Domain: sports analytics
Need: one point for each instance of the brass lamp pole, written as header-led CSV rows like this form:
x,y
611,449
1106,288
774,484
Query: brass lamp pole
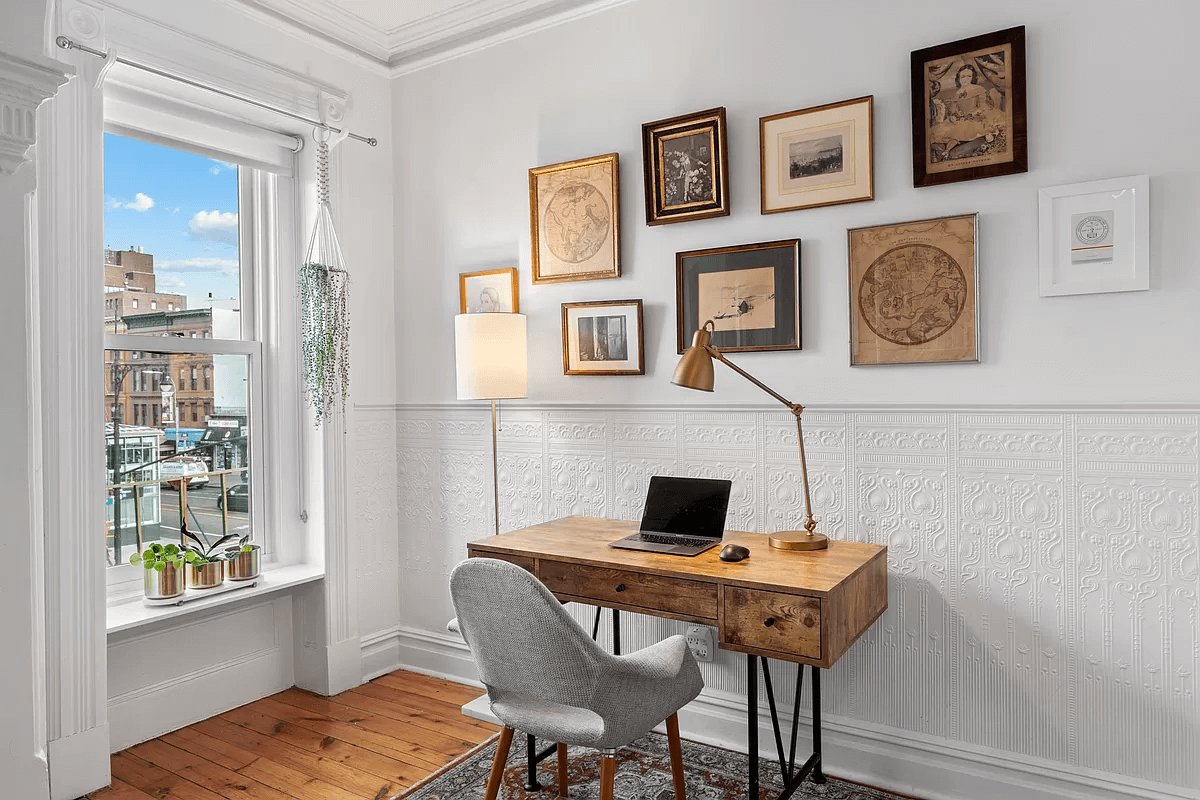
x,y
695,371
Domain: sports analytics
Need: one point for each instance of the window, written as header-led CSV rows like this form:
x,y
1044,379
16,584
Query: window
x,y
142,505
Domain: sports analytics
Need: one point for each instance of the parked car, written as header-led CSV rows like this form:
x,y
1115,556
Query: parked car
x,y
172,472
238,497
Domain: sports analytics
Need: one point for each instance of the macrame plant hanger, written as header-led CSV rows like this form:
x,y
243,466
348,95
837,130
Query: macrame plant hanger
x,y
324,284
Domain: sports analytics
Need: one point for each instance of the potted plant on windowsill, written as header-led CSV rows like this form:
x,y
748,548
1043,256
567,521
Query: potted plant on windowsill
x,y
164,570
206,562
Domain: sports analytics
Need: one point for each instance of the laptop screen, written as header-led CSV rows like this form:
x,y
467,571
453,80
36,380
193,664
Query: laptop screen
x,y
686,506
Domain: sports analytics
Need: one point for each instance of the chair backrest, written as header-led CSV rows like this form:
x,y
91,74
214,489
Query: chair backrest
x,y
523,640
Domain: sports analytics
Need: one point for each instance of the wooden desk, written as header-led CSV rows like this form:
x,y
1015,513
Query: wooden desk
x,y
807,607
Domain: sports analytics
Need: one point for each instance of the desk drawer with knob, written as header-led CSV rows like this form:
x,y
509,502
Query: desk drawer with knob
x,y
660,595
787,624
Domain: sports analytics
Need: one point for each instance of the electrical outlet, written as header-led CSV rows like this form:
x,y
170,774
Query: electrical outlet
x,y
701,642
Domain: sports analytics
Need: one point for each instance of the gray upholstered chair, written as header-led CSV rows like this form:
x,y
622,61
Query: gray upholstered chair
x,y
545,676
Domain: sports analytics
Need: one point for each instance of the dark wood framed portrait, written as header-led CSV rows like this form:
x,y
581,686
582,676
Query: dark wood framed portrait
x,y
575,220
914,292
751,292
968,109
603,338
686,164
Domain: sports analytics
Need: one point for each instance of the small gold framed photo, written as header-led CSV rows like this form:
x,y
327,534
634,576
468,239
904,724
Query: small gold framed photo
x,y
488,291
686,164
603,338
914,293
819,156
575,220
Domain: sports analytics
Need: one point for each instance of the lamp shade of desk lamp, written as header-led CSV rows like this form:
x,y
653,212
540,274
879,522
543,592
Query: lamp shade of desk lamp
x,y
695,371
492,363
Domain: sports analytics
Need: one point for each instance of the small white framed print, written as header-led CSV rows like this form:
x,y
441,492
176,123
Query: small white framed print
x,y
1095,237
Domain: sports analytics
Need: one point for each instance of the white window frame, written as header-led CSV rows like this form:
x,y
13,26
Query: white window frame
x,y
266,204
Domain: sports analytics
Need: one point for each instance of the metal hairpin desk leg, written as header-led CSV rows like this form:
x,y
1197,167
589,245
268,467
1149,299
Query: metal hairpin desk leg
x,y
792,778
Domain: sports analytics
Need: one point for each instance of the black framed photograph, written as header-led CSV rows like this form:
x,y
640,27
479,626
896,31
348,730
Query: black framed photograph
x,y
603,338
968,109
751,292
686,164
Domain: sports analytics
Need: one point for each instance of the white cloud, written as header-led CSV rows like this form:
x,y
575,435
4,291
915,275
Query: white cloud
x,y
169,281
140,202
215,226
220,166
225,266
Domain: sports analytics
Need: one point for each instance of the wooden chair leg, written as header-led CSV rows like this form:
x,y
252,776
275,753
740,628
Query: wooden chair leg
x,y
502,746
676,756
563,785
608,772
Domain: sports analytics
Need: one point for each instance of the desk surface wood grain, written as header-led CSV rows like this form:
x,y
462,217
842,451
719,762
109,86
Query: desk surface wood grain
x,y
584,540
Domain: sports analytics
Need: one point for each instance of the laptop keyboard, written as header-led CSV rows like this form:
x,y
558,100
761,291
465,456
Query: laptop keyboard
x,y
679,540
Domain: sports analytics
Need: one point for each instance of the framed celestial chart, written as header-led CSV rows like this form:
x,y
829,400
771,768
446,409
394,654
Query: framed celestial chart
x,y
575,220
914,293
968,109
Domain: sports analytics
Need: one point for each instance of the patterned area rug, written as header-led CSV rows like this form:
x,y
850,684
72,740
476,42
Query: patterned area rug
x,y
643,773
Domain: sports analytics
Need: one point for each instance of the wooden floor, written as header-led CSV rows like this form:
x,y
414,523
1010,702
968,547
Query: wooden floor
x,y
370,742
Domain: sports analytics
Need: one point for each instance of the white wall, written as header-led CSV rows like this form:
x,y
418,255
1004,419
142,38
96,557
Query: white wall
x,y
982,573
1100,105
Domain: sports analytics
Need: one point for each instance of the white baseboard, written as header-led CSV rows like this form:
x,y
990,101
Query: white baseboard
x,y
921,766
79,763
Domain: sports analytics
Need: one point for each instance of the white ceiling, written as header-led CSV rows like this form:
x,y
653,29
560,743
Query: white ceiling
x,y
408,34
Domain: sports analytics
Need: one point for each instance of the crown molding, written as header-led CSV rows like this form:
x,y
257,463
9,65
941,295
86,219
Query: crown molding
x,y
24,84
458,30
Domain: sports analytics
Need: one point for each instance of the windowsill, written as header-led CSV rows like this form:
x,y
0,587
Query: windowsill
x,y
133,613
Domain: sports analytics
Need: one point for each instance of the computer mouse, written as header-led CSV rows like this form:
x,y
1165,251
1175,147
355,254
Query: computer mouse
x,y
734,552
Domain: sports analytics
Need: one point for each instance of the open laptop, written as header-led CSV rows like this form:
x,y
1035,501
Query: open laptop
x,y
683,516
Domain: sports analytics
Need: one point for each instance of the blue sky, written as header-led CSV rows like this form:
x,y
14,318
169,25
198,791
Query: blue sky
x,y
178,206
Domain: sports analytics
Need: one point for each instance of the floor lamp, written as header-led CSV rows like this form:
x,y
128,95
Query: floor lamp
x,y
695,371
492,362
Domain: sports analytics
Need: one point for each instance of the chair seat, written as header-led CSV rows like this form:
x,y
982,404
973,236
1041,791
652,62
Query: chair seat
x,y
552,721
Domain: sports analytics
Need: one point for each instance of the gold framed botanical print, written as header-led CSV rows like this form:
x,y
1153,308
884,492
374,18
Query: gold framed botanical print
x,y
914,293
575,220
819,156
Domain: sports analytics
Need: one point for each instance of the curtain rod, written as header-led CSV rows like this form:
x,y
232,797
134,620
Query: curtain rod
x,y
68,44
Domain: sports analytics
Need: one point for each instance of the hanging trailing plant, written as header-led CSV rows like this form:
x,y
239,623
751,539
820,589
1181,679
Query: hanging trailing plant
x,y
324,284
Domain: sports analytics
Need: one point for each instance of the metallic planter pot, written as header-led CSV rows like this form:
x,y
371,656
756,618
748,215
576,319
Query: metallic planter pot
x,y
206,576
166,584
246,565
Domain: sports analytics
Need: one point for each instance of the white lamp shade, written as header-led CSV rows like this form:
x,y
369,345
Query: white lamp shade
x,y
491,356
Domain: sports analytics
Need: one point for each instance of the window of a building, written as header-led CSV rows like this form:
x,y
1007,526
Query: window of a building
x,y
142,464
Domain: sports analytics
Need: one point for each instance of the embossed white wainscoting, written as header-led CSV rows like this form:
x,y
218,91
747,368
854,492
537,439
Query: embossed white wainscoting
x,y
1043,631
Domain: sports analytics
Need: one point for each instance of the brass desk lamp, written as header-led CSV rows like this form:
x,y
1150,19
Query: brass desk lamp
x,y
695,371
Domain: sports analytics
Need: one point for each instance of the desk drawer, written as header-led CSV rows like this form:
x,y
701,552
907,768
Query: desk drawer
x,y
783,623
657,594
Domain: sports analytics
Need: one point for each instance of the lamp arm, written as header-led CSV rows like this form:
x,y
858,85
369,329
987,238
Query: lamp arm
x,y
811,524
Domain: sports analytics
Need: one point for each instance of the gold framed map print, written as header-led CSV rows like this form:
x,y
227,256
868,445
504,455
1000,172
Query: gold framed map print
x,y
913,292
575,220
820,156
968,109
